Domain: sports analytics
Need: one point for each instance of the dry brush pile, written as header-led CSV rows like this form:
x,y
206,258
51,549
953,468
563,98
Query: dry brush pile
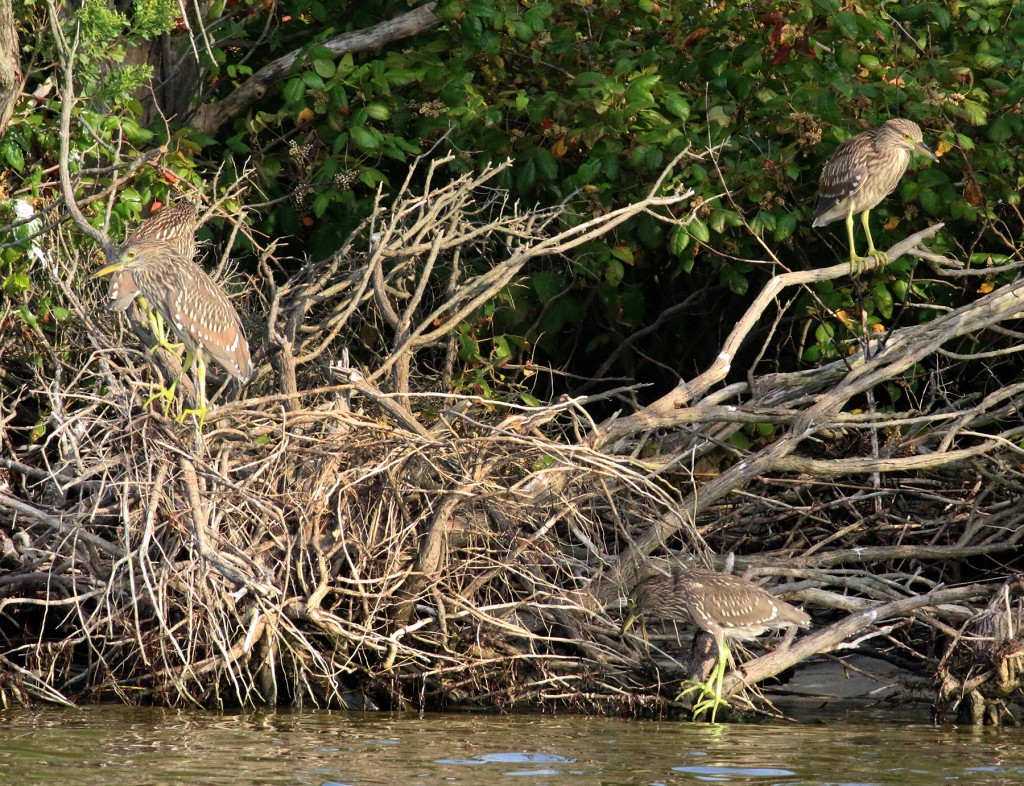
x,y
350,534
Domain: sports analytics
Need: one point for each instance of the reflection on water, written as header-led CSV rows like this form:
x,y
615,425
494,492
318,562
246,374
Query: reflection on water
x,y
101,746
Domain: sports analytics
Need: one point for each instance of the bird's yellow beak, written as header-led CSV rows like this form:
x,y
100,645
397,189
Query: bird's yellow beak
x,y
924,150
631,615
111,268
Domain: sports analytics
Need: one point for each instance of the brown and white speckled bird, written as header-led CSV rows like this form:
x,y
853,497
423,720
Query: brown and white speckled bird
x,y
198,311
728,607
862,172
175,226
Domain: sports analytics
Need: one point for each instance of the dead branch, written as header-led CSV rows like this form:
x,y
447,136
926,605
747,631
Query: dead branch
x,y
208,118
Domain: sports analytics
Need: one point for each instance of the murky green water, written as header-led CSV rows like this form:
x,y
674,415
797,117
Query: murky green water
x,y
116,745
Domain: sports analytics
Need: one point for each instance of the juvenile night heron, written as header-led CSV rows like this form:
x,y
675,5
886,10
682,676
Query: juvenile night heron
x,y
862,172
174,226
198,311
728,607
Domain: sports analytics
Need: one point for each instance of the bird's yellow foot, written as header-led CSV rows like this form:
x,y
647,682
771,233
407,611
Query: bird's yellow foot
x,y
198,412
167,394
709,698
880,257
709,701
163,343
874,260
156,327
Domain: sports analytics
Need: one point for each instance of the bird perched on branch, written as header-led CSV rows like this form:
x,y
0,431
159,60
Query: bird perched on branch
x,y
728,607
862,172
198,311
174,226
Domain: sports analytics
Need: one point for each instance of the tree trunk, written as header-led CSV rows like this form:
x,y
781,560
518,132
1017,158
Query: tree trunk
x,y
10,64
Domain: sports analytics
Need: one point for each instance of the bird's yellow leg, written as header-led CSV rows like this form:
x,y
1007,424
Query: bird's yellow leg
x,y
711,691
880,257
167,394
155,322
856,262
200,411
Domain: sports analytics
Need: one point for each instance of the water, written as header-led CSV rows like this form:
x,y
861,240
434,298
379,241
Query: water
x,y
101,746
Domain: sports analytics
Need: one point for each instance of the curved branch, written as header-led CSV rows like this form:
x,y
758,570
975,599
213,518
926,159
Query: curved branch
x,y
688,391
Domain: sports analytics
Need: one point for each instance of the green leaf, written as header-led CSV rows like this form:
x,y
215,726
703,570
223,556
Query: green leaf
x,y
846,21
740,440
613,272
321,203
313,81
883,300
973,112
717,114
378,111
547,284
522,31
930,201
785,225
735,280
699,230
716,221
130,195
623,253
27,314
13,156
1000,129
371,177
678,240
17,283
638,94
502,351
547,164
987,61
294,90
324,67
526,175
677,105
366,138
633,306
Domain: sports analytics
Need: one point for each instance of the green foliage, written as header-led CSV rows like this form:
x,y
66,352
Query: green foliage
x,y
104,35
154,17
99,24
590,100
